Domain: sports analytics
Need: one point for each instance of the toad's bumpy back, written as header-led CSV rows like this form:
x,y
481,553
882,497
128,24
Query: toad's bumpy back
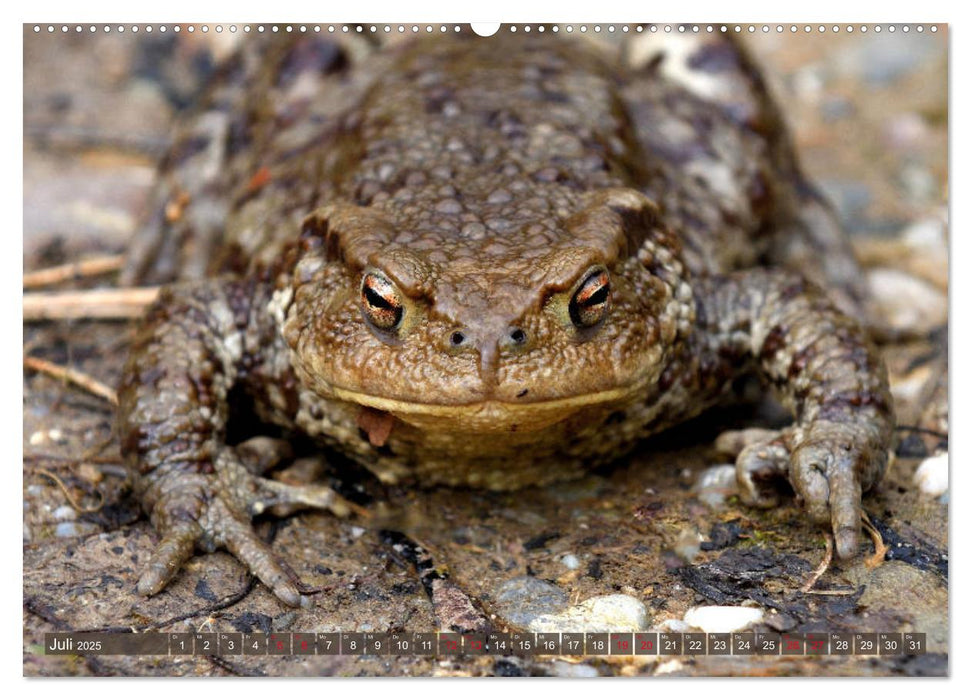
x,y
705,141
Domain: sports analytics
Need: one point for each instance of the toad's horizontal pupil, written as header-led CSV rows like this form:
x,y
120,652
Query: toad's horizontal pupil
x,y
598,297
589,303
375,299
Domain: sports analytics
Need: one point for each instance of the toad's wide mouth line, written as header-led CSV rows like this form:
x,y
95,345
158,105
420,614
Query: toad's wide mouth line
x,y
488,407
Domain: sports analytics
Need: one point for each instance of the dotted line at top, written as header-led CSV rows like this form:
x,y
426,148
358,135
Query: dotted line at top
x,y
512,28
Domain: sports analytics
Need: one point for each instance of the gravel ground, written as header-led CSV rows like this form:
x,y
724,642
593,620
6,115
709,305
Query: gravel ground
x,y
869,116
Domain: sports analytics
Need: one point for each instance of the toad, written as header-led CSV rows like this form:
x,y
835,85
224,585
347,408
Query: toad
x,y
486,262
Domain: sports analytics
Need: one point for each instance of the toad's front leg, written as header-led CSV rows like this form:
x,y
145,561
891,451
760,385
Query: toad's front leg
x,y
197,342
825,371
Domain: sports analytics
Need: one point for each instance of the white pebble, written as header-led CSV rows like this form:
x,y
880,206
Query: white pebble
x,y
723,618
571,562
674,625
606,613
906,301
562,669
66,529
38,438
930,234
688,544
672,666
715,484
357,531
932,475
65,513
908,388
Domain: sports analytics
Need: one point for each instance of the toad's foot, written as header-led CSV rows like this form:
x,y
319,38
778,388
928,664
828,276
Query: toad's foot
x,y
761,460
213,511
828,464
759,463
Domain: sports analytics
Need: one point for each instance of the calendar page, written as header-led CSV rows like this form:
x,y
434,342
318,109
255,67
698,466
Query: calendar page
x,y
524,349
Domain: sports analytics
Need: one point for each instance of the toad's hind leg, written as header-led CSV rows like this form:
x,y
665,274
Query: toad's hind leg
x,y
787,221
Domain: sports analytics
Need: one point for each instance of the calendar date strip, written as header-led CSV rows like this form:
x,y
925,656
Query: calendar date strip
x,y
494,643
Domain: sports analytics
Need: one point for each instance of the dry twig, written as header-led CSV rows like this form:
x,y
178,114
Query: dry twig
x,y
85,268
89,384
880,548
70,498
128,302
823,565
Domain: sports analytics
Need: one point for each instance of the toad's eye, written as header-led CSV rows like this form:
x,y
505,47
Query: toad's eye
x,y
589,303
381,301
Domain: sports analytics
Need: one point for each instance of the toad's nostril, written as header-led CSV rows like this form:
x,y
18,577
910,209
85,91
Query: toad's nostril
x,y
517,336
457,338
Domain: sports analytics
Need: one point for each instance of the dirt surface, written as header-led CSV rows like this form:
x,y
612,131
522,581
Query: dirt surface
x,y
869,115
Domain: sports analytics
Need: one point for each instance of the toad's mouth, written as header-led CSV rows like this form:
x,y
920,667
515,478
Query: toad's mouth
x,y
488,415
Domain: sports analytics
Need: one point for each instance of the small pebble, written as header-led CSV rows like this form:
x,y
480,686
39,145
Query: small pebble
x,y
723,618
688,545
357,531
674,625
835,108
808,83
65,513
608,613
715,484
672,666
523,599
909,387
850,197
90,473
571,562
906,301
919,183
562,669
932,475
906,130
69,529
929,234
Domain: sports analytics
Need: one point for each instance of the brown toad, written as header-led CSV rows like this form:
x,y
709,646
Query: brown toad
x,y
486,262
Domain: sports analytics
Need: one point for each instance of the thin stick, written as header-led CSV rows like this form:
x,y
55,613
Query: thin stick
x,y
92,386
45,457
70,499
129,302
823,565
880,548
85,268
